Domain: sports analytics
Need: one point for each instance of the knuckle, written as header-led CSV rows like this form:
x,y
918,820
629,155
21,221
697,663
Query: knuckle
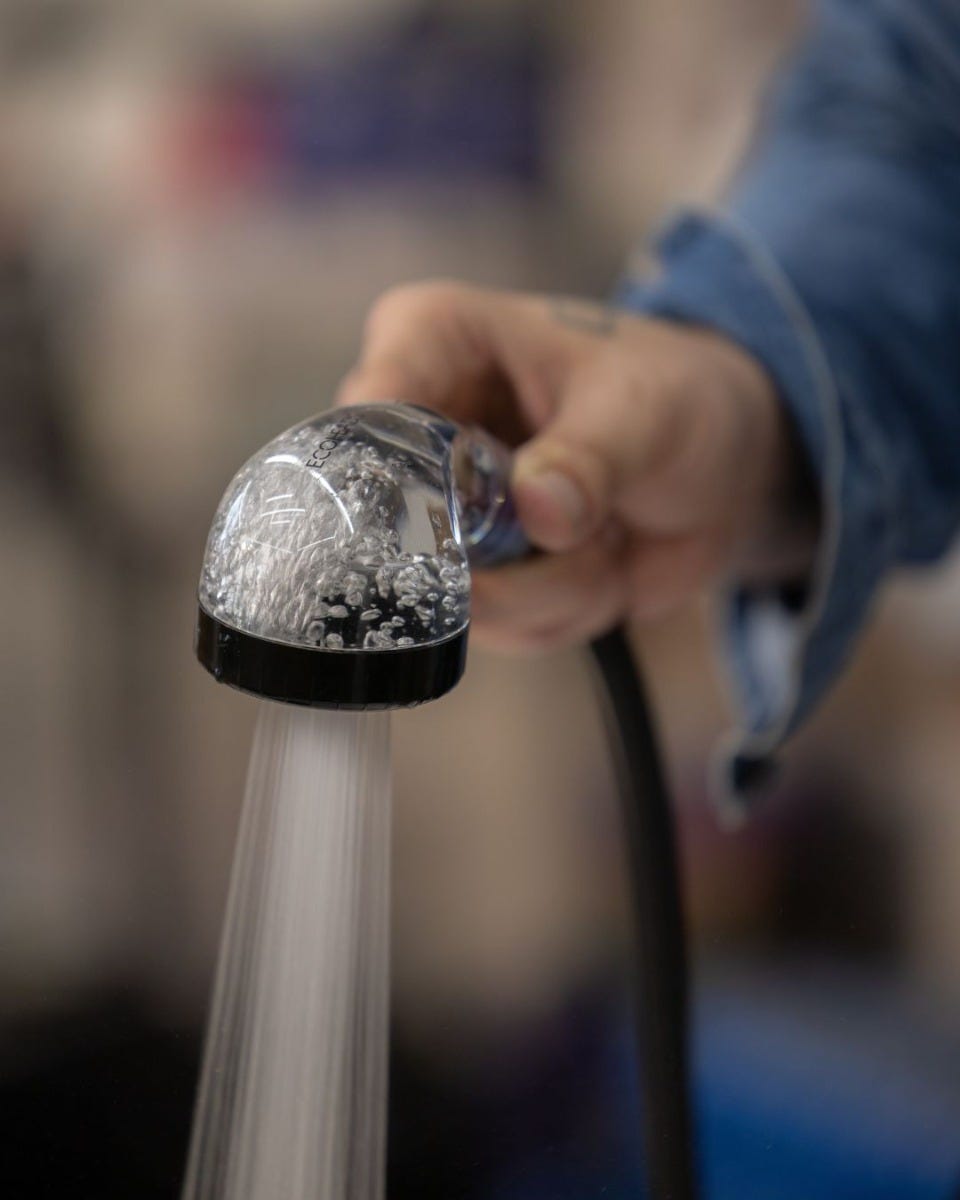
x,y
413,304
547,640
388,307
504,637
379,384
352,386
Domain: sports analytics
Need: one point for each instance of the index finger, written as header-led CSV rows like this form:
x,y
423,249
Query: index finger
x,y
445,346
416,347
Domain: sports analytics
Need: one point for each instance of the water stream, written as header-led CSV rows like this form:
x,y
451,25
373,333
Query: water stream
x,y
292,1098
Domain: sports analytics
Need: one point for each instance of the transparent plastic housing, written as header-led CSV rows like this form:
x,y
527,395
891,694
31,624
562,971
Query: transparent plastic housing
x,y
343,534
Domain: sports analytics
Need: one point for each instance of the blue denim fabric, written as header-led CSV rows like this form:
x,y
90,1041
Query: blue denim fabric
x,y
836,262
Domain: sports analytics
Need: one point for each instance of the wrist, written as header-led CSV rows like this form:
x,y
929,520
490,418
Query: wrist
x,y
776,500
782,531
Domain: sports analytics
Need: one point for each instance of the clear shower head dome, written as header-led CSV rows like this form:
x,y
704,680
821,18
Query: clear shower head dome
x,y
343,534
336,571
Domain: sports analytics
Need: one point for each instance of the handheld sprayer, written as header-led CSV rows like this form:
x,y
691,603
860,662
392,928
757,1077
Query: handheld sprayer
x,y
337,575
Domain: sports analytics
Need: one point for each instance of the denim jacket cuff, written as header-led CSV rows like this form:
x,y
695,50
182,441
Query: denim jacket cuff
x,y
782,656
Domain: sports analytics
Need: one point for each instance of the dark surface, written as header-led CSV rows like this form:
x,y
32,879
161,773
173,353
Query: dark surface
x,y
811,1083
95,1104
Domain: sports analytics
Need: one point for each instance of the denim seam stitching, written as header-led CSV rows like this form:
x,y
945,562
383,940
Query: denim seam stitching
x,y
771,273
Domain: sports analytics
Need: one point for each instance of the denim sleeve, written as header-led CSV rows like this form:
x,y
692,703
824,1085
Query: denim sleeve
x,y
836,263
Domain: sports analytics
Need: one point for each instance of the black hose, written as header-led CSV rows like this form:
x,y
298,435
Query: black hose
x,y
662,1015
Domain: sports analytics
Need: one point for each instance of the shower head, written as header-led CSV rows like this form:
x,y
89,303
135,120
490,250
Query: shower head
x,y
336,573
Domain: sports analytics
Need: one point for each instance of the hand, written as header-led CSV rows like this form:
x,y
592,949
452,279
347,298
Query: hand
x,y
654,457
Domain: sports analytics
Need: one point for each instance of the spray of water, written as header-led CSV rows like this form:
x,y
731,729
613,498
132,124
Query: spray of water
x,y
292,1099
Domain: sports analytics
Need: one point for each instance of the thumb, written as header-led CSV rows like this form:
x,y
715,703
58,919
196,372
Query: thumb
x,y
568,479
561,496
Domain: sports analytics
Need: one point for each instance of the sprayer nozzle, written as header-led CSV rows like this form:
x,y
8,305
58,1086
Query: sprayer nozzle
x,y
336,570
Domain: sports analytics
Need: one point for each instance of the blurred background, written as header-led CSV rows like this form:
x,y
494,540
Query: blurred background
x,y
198,202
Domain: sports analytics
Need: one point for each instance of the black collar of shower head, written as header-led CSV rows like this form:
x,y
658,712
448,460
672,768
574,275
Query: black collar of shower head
x,y
321,678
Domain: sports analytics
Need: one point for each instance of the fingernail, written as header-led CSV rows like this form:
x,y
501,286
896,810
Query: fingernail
x,y
561,493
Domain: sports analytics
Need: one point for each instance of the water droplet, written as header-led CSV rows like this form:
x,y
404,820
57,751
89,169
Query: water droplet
x,y
370,614
333,641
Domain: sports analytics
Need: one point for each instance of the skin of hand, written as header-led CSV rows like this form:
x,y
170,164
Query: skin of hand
x,y
653,458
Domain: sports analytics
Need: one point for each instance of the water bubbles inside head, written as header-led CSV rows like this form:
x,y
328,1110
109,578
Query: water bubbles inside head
x,y
342,534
